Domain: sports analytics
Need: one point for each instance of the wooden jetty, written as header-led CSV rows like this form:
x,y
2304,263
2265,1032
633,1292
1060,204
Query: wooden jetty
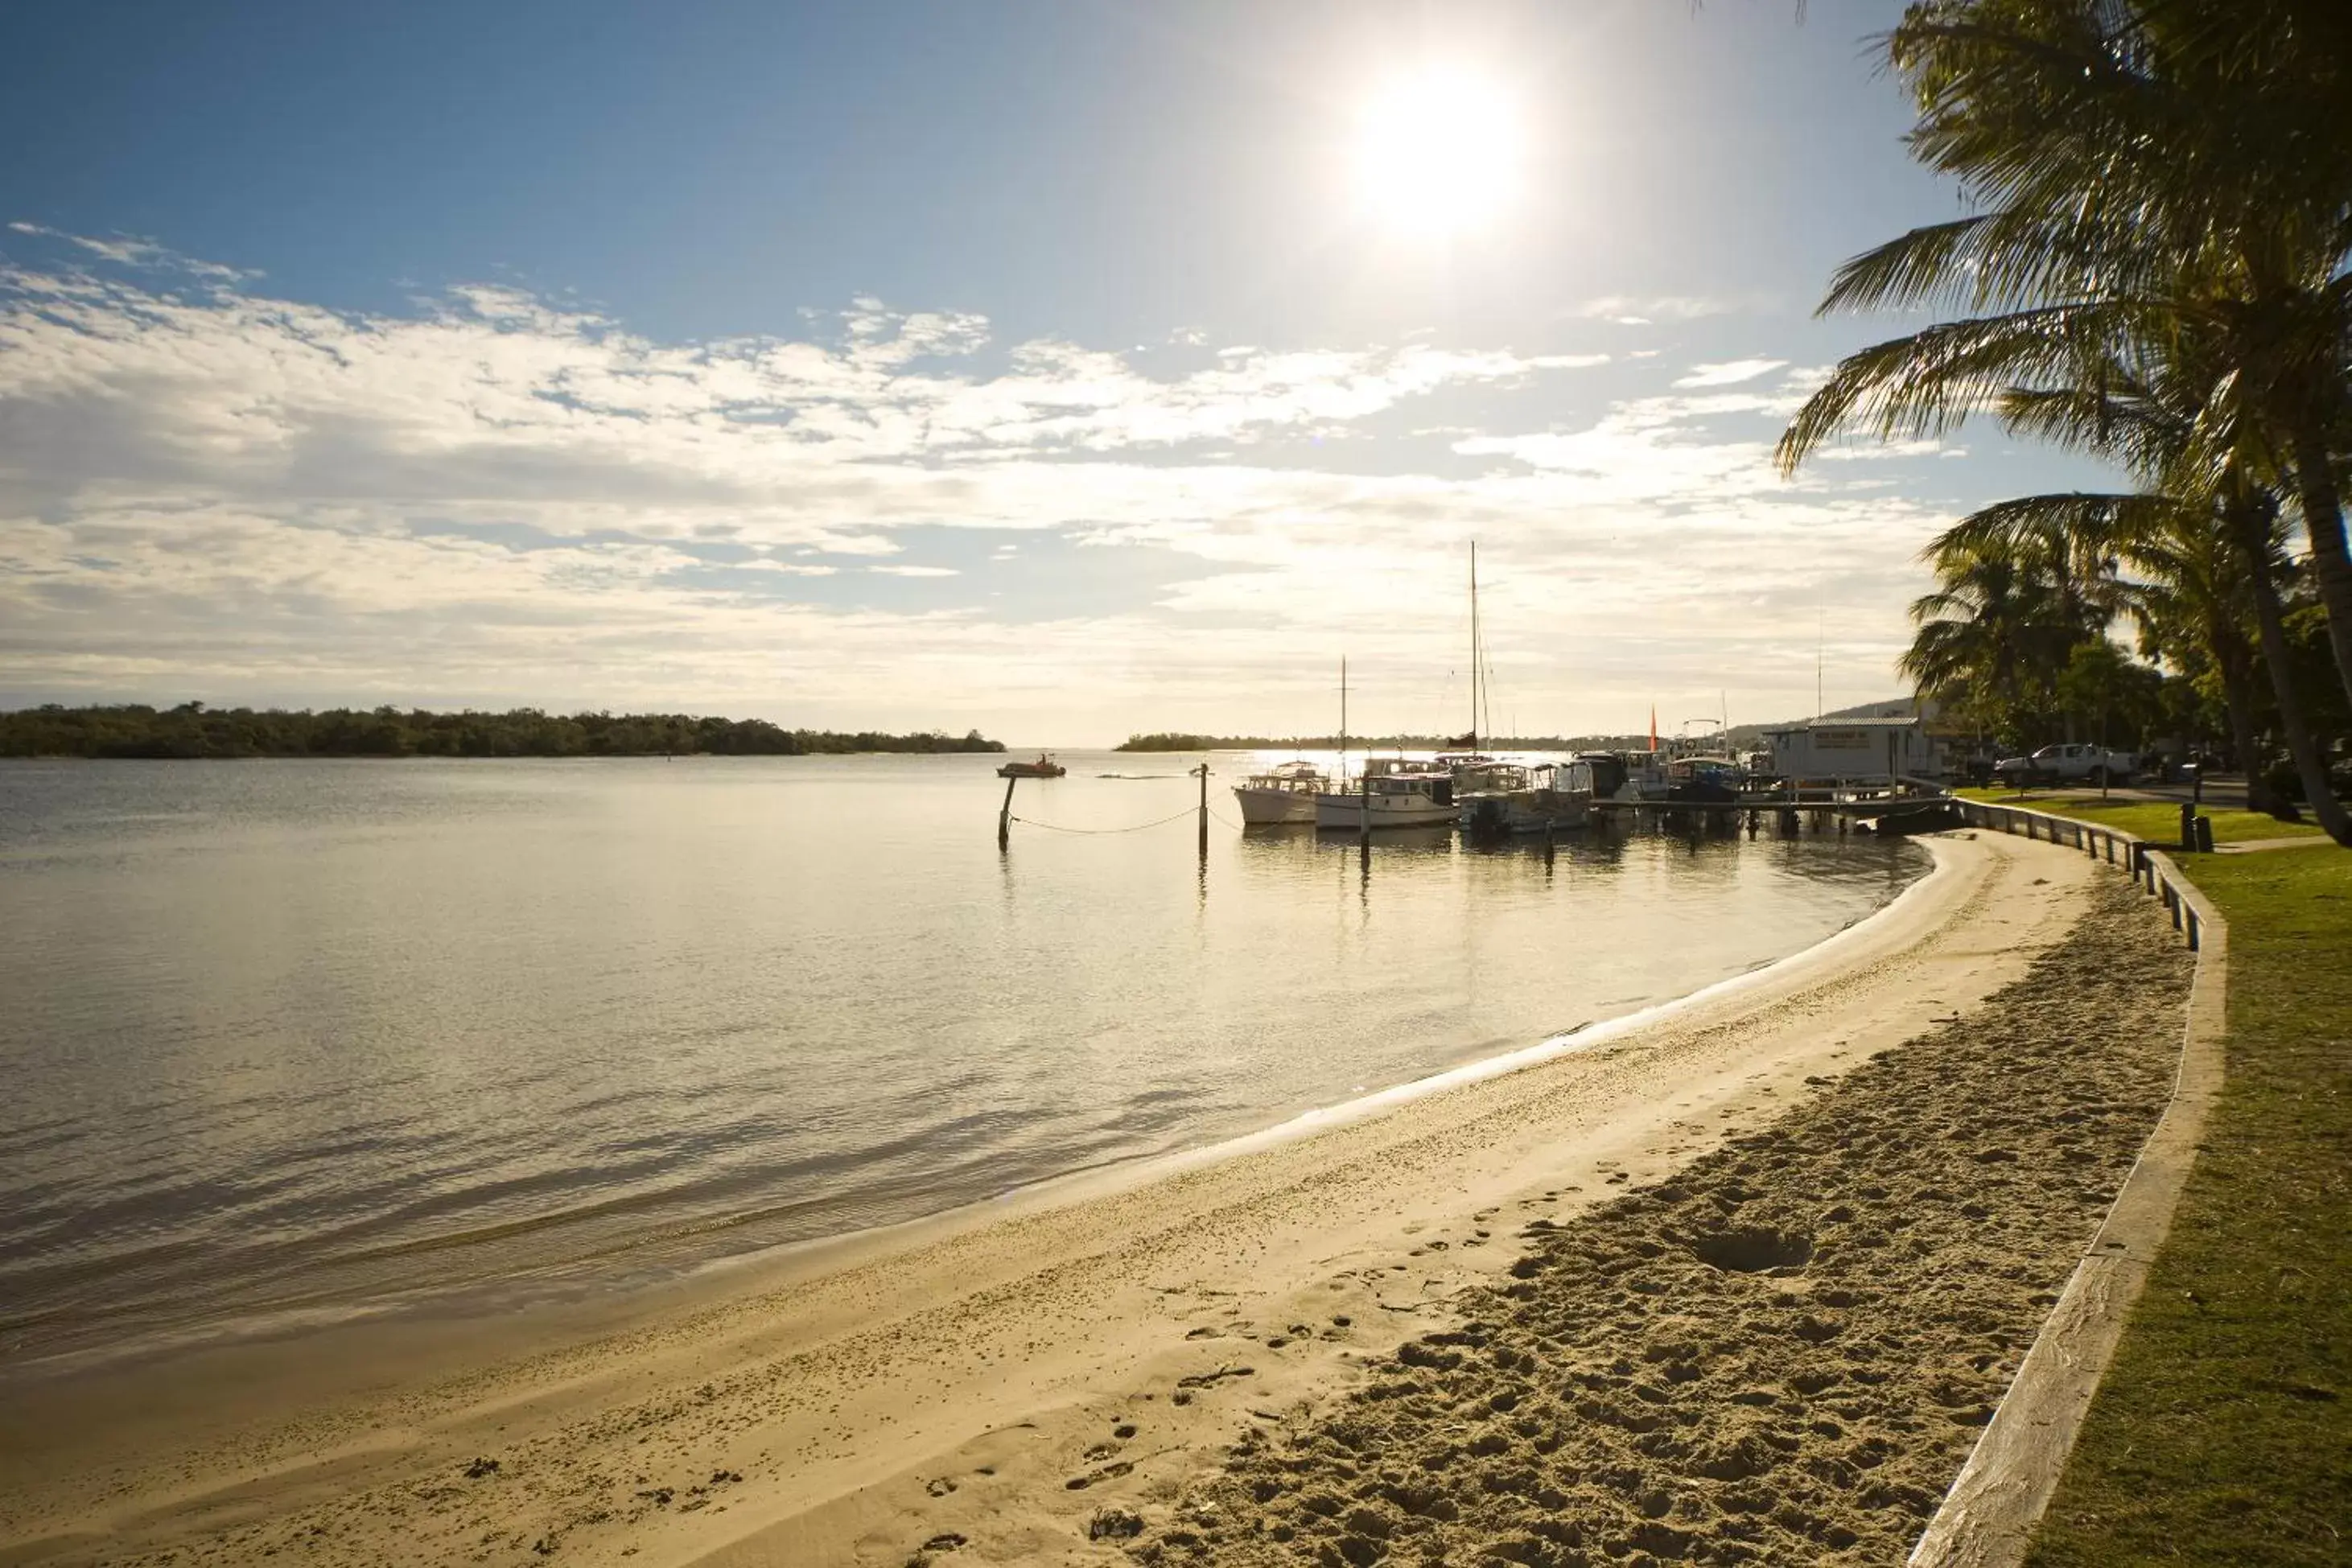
x,y
1823,808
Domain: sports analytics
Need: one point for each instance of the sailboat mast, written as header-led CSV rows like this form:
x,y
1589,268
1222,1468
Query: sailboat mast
x,y
1343,718
1474,655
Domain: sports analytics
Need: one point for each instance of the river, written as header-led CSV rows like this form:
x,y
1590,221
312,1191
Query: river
x,y
288,1040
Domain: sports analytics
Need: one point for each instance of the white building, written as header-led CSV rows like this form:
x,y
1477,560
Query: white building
x,y
1856,750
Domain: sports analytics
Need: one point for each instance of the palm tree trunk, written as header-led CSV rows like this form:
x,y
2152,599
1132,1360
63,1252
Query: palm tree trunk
x,y
2253,539
2322,521
2234,660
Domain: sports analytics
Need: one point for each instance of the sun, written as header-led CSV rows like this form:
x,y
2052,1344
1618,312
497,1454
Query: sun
x,y
1437,153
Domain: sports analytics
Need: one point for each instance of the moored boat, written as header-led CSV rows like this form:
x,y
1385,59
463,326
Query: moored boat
x,y
1284,793
1550,796
1713,781
1044,768
1415,795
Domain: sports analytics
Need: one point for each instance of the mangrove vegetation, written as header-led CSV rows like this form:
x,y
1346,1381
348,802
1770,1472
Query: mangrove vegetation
x,y
194,730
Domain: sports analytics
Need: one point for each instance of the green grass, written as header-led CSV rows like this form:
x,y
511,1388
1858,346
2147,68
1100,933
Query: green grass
x,y
2156,820
2222,1432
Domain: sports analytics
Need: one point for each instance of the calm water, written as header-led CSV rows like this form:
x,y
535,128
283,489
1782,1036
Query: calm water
x,y
290,1038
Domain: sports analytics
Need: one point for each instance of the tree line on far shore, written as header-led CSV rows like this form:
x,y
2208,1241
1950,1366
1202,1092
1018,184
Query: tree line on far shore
x,y
1171,740
2153,268
193,730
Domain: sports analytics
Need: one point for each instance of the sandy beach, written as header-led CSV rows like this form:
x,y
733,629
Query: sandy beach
x,y
1735,1281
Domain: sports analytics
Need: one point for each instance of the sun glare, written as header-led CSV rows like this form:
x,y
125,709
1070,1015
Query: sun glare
x,y
1437,153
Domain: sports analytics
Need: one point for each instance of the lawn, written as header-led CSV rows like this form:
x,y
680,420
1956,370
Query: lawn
x,y
2222,1432
2156,820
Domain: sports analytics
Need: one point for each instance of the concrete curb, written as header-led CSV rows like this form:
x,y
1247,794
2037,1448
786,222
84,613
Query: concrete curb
x,y
1988,1517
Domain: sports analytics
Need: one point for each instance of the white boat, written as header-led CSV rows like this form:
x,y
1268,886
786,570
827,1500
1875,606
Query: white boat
x,y
1284,793
1547,795
1477,774
1287,792
1643,776
1415,795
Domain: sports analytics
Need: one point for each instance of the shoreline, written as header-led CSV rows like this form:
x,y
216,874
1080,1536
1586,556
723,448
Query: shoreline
x,y
611,1290
905,1348
1780,1354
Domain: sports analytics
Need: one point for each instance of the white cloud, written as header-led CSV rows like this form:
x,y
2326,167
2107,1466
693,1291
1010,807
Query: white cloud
x,y
1730,373
126,251
786,567
501,498
1641,311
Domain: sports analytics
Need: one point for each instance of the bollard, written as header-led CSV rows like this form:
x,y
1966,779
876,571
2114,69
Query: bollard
x,y
2188,826
2204,835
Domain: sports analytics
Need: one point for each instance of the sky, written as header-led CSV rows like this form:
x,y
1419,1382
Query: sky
x,y
1063,370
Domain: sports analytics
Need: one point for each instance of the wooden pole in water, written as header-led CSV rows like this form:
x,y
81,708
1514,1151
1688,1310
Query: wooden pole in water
x,y
1004,815
1364,811
1205,809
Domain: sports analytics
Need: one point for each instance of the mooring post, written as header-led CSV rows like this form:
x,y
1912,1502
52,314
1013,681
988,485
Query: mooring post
x,y
1204,809
1364,813
1004,815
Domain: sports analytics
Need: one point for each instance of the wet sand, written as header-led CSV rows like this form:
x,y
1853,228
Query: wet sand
x,y
1064,1377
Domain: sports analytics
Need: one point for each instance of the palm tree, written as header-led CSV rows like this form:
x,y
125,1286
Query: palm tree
x,y
2159,274
2149,168
1988,634
2189,591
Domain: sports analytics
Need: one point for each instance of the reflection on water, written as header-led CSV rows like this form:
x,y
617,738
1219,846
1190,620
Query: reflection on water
x,y
285,1033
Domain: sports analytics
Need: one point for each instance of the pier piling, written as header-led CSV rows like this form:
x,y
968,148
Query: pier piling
x,y
1203,771
1004,816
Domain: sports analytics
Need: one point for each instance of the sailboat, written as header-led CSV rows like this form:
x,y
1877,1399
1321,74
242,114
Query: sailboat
x,y
1493,797
1472,769
1402,794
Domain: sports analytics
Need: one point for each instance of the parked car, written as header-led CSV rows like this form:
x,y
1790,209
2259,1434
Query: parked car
x,y
2073,763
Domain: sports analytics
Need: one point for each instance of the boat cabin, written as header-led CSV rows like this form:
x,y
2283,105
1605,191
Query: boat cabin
x,y
1299,777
